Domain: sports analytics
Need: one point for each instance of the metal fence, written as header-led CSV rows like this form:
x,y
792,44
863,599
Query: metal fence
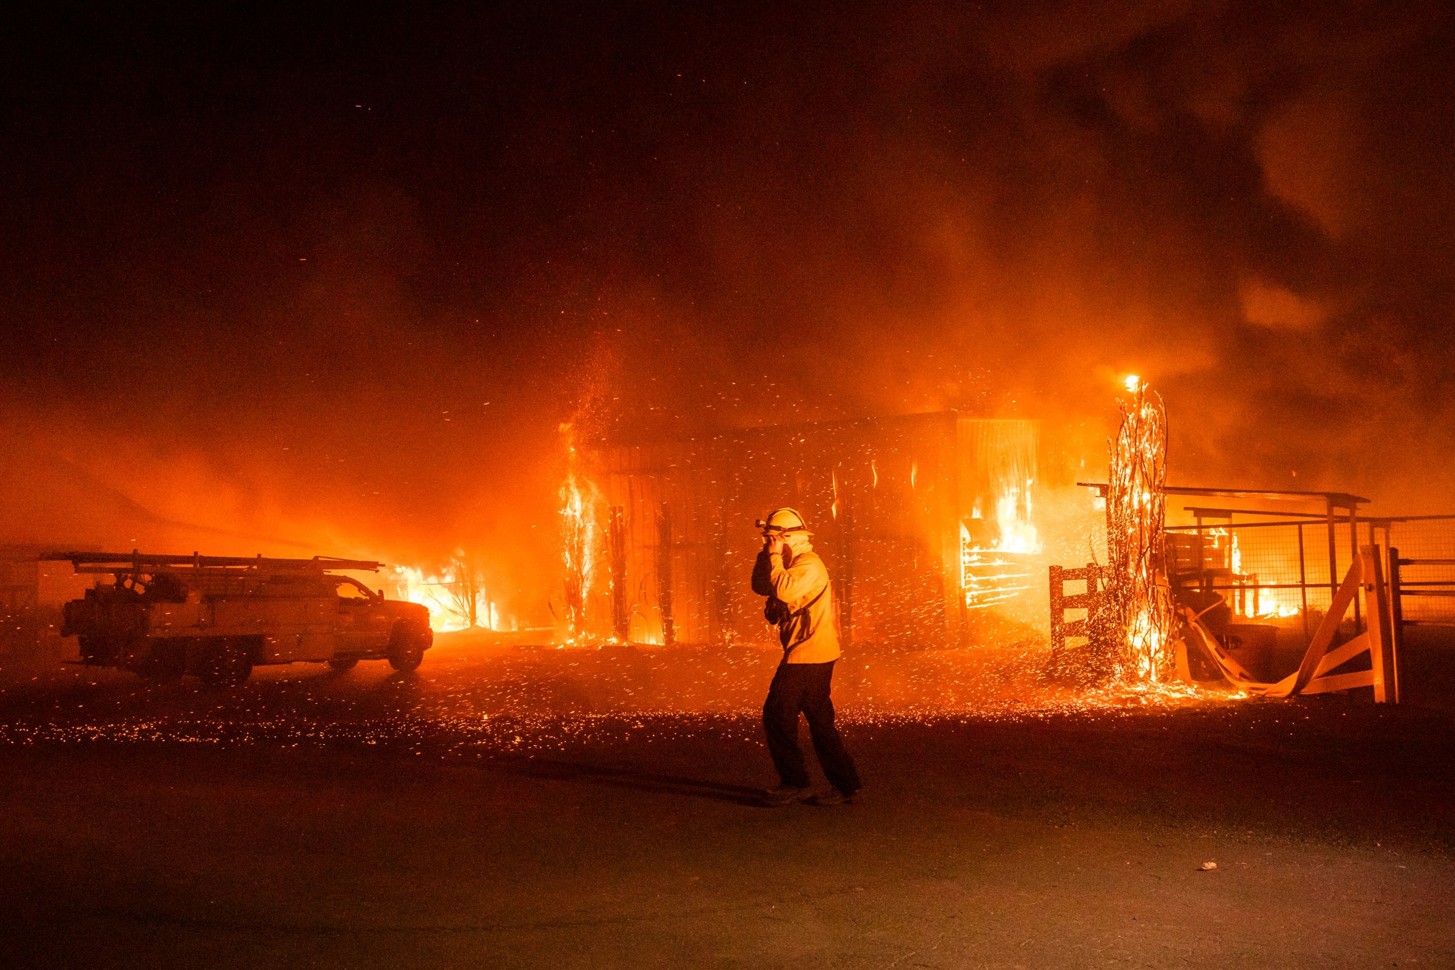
x,y
1269,571
1283,570
1424,568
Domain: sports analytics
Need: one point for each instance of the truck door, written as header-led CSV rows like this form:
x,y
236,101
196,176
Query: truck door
x,y
363,622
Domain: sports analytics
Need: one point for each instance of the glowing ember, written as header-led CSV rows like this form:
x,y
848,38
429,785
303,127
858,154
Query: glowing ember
x,y
1267,604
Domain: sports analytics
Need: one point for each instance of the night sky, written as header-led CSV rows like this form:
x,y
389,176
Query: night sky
x,y
335,274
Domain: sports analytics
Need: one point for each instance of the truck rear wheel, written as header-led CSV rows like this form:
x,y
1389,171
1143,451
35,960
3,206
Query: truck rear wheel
x,y
407,646
224,663
165,663
100,651
344,663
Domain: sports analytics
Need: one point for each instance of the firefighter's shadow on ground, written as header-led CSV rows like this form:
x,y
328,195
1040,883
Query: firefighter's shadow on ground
x,y
634,778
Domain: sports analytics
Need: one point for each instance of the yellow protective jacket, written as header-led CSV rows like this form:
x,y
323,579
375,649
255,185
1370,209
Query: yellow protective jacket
x,y
807,621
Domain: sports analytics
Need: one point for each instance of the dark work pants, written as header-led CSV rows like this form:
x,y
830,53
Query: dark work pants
x,y
805,688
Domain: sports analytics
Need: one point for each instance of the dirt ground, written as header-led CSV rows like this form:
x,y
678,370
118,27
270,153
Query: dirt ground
x,y
518,806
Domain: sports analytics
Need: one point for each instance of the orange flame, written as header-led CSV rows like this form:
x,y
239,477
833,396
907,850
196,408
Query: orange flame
x,y
995,572
1249,600
579,534
453,601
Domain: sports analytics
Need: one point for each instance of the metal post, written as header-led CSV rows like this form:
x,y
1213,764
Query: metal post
x,y
664,573
1354,550
1396,618
620,617
848,552
1303,581
1058,611
1202,583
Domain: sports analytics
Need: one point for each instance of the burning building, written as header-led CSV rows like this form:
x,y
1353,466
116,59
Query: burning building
x,y
929,523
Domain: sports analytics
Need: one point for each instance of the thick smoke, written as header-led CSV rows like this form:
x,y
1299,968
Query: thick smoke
x,y
337,280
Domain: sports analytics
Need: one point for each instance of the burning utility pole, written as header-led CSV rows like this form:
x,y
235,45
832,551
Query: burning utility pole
x,y
1140,600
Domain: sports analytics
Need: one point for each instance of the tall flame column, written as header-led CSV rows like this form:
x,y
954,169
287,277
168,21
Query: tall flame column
x,y
579,501
1136,504
578,540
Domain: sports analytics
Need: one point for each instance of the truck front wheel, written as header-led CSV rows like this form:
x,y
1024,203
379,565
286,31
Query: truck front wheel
x,y
224,663
407,646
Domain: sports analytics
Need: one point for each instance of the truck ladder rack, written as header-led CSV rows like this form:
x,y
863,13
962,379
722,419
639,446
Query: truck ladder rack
x,y
139,561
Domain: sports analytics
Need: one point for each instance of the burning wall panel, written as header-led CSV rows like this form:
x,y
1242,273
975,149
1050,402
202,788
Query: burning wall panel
x,y
671,553
1001,561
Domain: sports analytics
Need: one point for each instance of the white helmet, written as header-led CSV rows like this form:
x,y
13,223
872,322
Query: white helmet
x,y
783,520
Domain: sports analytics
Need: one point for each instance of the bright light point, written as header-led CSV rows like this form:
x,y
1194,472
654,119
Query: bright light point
x,y
1132,382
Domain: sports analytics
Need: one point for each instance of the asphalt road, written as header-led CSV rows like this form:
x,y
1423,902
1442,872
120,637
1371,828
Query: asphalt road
x,y
516,806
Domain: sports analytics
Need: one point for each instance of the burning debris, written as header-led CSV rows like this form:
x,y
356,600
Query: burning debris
x,y
1148,628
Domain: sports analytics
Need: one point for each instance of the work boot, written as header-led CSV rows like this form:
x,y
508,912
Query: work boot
x,y
831,797
785,795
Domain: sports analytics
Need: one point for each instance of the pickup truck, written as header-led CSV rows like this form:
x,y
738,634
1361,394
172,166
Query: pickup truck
x,y
218,617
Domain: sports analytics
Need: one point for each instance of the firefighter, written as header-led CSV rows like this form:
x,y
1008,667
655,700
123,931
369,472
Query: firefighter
x,y
801,604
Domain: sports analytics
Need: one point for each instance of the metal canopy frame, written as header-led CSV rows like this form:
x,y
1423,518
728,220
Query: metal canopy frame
x,y
1339,507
